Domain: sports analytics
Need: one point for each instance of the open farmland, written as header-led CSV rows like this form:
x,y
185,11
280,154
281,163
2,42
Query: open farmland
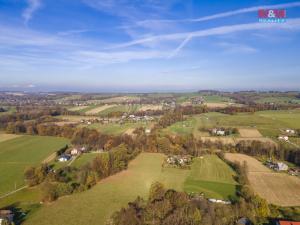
x,y
212,176
19,153
76,119
150,107
249,133
128,108
98,109
78,108
277,188
110,194
121,99
6,137
224,140
117,128
268,123
279,100
86,158
216,104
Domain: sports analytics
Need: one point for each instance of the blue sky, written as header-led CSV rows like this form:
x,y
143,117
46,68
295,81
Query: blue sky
x,y
147,45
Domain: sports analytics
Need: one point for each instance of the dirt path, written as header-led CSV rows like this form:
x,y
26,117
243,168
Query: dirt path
x,y
50,158
12,192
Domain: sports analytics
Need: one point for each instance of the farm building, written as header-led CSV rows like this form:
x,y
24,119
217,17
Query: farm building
x,y
6,216
278,166
281,166
147,131
284,138
243,221
285,222
77,151
290,131
218,132
64,158
179,160
219,201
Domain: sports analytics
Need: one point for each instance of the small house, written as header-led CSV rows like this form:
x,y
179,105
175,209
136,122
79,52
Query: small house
x,y
284,138
64,158
290,131
218,132
75,151
147,131
6,216
280,166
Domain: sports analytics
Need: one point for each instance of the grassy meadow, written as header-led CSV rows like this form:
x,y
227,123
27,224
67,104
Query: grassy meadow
x,y
269,123
116,128
116,191
19,153
211,176
85,158
6,137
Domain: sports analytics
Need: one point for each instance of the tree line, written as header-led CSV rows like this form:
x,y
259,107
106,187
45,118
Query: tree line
x,y
68,180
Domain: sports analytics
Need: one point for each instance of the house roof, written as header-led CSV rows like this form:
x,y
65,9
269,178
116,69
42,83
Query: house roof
x,y
284,222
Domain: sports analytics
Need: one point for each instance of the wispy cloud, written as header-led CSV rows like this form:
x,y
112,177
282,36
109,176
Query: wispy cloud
x,y
98,57
182,44
33,5
220,15
72,32
237,48
291,24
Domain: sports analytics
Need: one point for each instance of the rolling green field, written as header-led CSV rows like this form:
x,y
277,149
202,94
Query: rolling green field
x,y
279,100
269,123
120,108
116,128
116,191
211,176
216,98
6,137
207,98
18,153
85,158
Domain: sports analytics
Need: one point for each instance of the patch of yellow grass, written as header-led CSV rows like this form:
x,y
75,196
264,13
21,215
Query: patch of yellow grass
x,y
5,137
150,107
277,188
249,133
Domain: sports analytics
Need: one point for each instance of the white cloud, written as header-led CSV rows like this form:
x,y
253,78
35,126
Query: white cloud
x,y
237,48
33,5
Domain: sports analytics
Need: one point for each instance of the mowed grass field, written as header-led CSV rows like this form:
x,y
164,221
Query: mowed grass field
x,y
213,177
19,153
120,108
116,128
85,158
277,188
96,205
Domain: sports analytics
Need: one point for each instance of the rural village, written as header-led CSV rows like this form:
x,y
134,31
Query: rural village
x,y
211,139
